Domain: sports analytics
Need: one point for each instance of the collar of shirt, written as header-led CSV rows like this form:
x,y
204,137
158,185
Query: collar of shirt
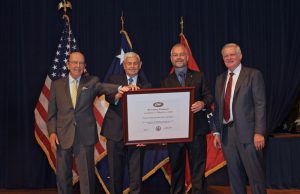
x,y
71,80
134,79
236,71
179,70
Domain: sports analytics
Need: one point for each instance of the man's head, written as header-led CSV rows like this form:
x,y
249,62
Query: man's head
x,y
179,56
76,64
132,64
232,55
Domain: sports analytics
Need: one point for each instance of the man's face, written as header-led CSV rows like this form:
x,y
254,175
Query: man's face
x,y
76,64
132,66
179,57
231,57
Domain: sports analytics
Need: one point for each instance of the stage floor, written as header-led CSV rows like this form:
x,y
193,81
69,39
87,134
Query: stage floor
x,y
211,190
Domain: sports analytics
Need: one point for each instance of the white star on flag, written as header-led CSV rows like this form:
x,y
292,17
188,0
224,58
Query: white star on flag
x,y
121,56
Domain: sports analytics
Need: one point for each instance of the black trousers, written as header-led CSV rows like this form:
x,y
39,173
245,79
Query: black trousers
x,y
197,157
118,153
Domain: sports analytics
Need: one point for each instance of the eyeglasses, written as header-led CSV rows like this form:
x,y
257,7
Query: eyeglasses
x,y
178,54
77,63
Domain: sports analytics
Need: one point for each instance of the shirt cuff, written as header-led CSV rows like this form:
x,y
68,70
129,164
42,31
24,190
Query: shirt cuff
x,y
119,88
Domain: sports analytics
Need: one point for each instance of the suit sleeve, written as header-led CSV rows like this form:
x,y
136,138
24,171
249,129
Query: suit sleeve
x,y
206,93
106,88
110,97
52,110
259,98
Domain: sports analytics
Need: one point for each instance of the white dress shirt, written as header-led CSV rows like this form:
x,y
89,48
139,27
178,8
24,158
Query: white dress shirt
x,y
235,77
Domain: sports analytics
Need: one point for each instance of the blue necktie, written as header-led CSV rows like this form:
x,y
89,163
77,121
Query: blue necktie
x,y
181,77
130,80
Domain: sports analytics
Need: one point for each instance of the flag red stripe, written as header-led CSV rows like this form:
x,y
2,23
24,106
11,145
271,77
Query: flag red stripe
x,y
42,111
46,91
98,116
99,147
46,143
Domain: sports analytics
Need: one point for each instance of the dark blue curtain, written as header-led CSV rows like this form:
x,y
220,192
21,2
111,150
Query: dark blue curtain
x,y
267,31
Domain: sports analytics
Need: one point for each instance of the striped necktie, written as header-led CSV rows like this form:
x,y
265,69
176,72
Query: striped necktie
x,y
130,81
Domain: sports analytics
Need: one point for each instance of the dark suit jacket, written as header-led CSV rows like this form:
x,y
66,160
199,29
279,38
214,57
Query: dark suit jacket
x,y
112,125
248,106
64,120
202,92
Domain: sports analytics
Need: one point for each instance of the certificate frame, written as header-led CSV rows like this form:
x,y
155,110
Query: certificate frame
x,y
158,115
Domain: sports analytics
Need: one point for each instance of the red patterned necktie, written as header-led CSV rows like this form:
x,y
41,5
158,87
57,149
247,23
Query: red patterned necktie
x,y
227,98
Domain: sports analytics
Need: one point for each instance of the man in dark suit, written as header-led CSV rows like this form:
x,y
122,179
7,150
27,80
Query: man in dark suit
x,y
72,126
240,112
112,129
197,148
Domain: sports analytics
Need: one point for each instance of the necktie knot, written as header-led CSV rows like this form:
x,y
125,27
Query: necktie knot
x,y
130,81
231,74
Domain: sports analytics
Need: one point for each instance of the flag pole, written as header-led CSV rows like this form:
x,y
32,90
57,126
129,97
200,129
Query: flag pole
x,y
65,5
181,24
123,30
122,22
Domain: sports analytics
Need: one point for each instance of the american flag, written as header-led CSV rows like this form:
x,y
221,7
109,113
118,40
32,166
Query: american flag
x,y
58,69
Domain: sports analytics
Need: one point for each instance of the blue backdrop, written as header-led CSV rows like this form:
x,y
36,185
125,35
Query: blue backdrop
x,y
267,31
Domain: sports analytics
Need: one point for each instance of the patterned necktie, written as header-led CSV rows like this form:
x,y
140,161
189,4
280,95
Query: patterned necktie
x,y
227,99
130,81
181,76
74,93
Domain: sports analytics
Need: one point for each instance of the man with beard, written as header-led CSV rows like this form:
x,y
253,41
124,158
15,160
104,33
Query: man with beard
x,y
197,148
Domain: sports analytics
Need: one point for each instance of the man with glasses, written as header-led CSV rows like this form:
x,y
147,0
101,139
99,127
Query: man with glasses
x,y
112,129
196,149
72,126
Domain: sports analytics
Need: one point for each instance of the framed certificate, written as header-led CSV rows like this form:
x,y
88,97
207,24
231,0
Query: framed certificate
x,y
158,115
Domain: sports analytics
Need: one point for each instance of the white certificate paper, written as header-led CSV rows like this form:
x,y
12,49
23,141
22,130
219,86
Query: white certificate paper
x,y
158,117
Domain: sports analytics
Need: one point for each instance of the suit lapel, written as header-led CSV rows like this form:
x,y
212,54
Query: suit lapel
x,y
67,90
123,80
222,92
189,81
240,80
175,80
82,82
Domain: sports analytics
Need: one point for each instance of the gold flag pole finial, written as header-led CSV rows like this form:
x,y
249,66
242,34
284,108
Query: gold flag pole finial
x,y
181,24
122,22
65,5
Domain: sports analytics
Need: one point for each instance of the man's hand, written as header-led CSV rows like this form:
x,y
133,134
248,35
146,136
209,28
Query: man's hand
x,y
124,89
217,142
53,142
259,141
133,87
128,88
118,96
140,145
197,106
